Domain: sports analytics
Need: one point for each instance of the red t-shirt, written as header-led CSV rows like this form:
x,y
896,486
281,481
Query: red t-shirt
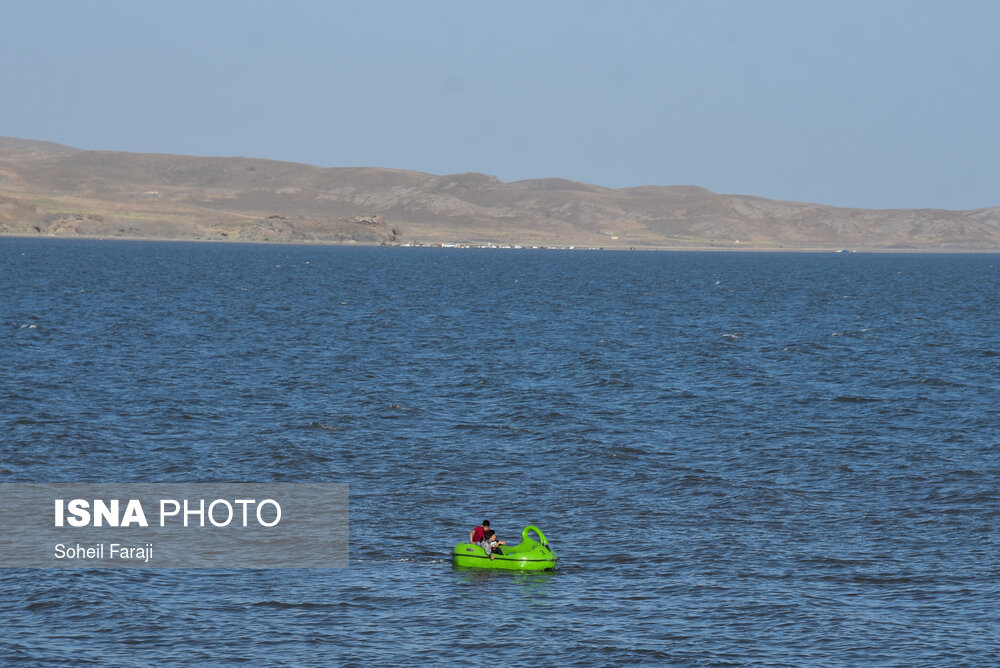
x,y
478,534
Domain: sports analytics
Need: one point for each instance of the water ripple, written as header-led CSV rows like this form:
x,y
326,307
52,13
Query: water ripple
x,y
739,458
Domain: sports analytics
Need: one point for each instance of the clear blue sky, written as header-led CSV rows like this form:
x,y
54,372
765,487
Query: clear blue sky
x,y
864,103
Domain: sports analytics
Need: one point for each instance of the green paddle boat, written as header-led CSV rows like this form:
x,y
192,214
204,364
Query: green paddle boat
x,y
528,555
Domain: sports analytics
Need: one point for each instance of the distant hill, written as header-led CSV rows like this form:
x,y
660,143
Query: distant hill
x,y
49,189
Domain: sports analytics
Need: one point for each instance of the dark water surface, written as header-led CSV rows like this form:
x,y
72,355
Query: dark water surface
x,y
739,458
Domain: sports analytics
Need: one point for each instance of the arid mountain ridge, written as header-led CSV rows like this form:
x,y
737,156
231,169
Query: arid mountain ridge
x,y
53,190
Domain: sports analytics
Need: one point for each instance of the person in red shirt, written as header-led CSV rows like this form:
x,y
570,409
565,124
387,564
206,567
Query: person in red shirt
x,y
478,534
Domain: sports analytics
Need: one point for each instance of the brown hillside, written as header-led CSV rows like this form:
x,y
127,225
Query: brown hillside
x,y
48,189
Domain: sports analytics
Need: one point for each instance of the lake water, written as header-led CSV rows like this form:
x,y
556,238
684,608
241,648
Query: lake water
x,y
739,458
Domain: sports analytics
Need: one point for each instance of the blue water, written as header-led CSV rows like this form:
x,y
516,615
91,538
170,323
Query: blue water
x,y
739,458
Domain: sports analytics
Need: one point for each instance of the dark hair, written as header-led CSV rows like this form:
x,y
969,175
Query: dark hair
x,y
486,523
491,533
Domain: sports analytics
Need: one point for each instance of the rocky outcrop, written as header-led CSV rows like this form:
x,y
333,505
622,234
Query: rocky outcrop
x,y
75,224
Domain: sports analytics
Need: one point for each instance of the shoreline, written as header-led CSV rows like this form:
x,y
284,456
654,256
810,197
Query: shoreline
x,y
449,245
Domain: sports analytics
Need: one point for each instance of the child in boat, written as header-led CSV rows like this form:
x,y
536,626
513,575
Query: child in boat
x,y
492,544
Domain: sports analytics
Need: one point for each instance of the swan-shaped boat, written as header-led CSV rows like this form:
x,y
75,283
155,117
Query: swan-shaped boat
x,y
528,555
